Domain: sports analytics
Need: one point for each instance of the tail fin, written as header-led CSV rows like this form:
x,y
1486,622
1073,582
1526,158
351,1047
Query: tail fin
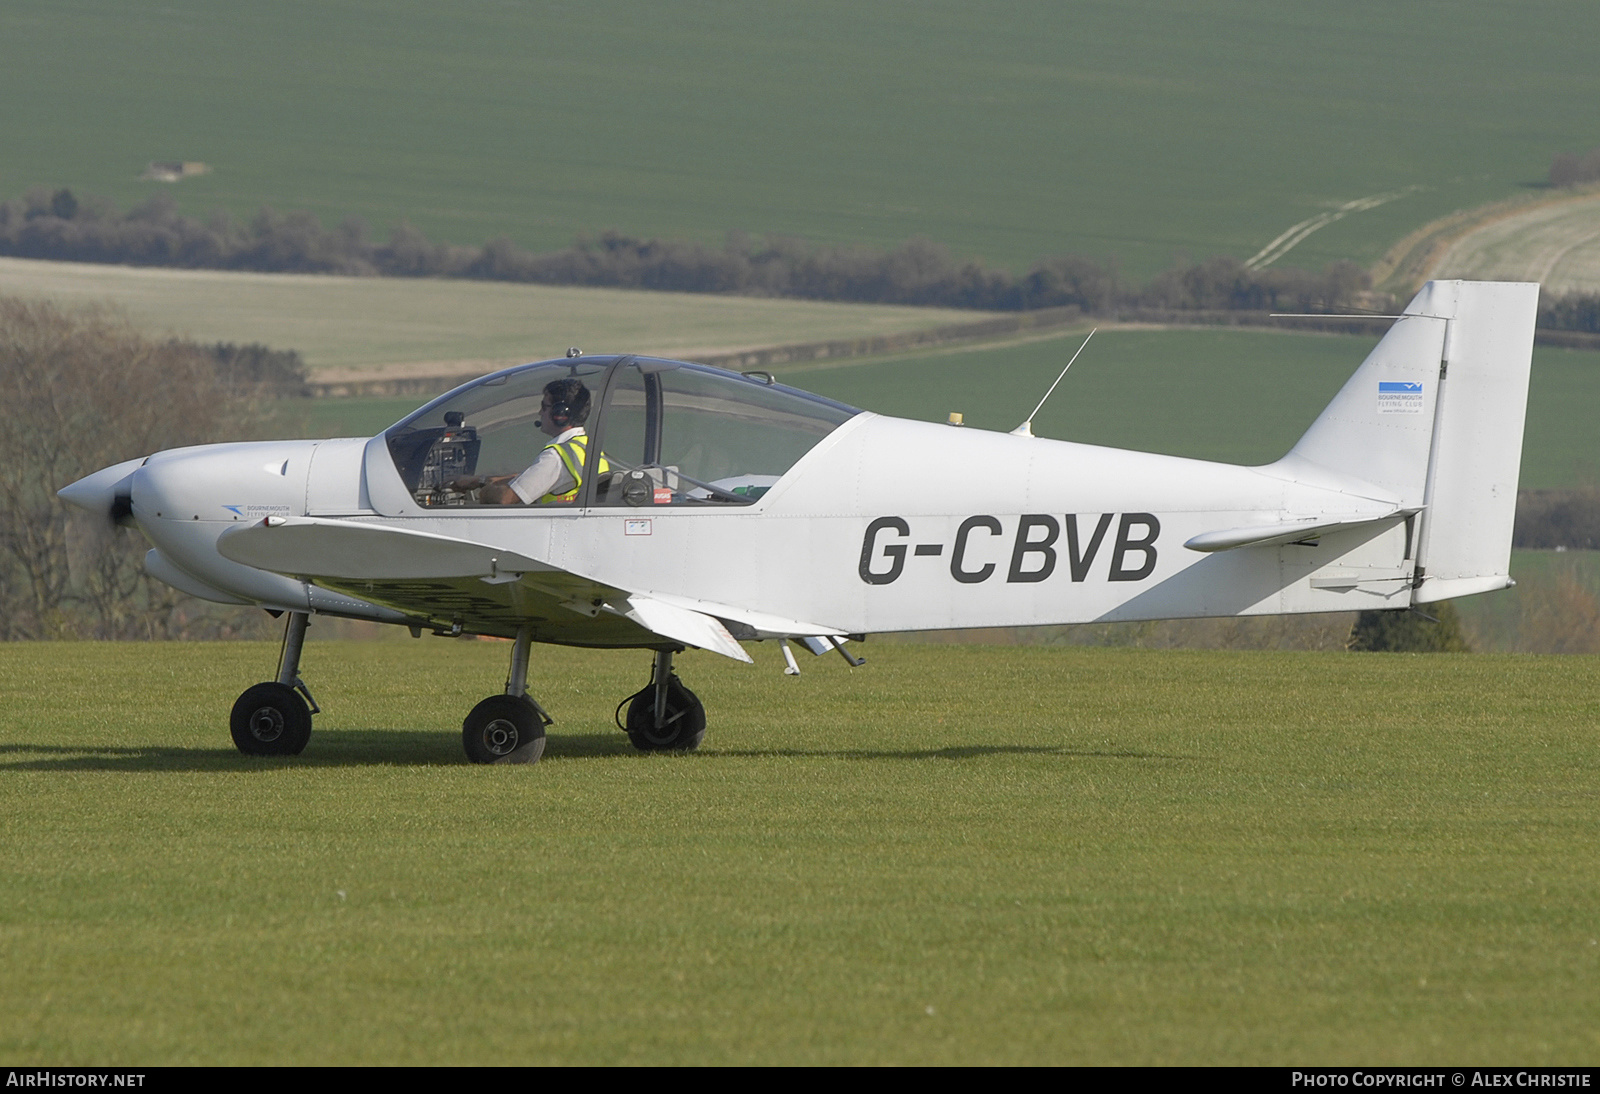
x,y
1465,544
1433,419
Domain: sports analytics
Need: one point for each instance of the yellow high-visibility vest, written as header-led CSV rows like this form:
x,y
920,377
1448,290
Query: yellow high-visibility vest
x,y
572,453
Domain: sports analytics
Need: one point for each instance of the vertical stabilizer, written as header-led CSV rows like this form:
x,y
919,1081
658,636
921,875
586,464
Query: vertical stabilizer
x,y
1432,420
1378,430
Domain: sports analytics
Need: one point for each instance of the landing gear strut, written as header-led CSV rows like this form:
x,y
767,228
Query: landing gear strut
x,y
666,716
509,728
274,719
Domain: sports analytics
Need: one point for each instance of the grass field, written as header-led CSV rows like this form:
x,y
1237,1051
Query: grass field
x,y
949,856
360,326
1008,131
1557,245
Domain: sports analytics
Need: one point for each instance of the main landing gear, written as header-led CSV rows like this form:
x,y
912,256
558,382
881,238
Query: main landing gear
x,y
274,718
665,716
509,728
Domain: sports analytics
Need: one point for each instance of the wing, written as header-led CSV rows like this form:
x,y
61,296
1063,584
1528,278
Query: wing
x,y
456,582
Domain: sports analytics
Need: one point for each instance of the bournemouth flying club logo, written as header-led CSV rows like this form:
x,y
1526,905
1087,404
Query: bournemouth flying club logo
x,y
1399,397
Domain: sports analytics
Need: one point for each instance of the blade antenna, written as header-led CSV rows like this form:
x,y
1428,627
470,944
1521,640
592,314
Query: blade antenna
x,y
1026,428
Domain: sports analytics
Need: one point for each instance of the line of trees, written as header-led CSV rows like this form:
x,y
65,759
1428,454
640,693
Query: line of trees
x,y
1409,632
59,226
84,390
1547,519
253,370
1578,311
1574,169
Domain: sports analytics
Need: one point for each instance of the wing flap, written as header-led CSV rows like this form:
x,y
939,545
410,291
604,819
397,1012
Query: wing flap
x,y
765,624
680,624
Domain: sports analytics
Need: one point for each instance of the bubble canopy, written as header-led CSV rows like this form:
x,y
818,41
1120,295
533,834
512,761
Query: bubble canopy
x,y
659,433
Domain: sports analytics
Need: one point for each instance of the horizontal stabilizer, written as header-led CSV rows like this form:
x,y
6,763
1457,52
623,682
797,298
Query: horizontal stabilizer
x,y
1282,532
320,547
682,625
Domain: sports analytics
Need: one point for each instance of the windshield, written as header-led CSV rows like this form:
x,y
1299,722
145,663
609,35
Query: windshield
x,y
487,431
664,433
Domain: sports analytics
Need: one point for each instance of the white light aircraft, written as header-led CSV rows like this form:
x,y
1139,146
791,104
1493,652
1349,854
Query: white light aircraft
x,y
702,508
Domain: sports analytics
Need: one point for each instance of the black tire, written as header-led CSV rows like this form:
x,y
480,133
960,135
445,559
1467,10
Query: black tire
x,y
684,727
270,719
503,729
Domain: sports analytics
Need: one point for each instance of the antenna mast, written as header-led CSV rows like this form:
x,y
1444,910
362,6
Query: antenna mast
x,y
1026,428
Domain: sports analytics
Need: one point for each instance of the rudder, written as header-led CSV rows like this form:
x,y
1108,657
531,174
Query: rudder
x,y
1471,502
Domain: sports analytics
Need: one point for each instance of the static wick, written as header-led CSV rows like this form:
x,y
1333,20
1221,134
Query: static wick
x,y
1026,428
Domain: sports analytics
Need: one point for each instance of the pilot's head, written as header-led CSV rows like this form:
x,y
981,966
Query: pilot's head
x,y
566,404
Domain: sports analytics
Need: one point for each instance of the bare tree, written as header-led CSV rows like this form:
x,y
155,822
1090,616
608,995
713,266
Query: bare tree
x,y
1570,169
83,390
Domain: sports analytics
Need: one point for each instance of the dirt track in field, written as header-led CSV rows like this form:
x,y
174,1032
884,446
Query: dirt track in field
x,y
1556,245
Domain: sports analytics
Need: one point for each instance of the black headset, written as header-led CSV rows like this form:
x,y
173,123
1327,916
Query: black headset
x,y
562,410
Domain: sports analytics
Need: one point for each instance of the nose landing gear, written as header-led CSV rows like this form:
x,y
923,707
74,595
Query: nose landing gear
x,y
509,728
274,718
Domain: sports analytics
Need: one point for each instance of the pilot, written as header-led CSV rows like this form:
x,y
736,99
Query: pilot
x,y
557,472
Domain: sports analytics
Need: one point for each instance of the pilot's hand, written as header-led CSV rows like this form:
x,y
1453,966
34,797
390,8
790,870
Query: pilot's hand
x,y
464,484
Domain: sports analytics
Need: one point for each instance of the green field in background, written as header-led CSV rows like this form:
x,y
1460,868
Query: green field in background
x,y
363,416
948,856
452,327
1235,396
1007,131
1552,608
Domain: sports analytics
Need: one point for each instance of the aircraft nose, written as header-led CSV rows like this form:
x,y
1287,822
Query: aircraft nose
x,y
223,483
107,493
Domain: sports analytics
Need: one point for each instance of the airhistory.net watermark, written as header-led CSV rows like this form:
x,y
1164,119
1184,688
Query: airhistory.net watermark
x,y
73,1077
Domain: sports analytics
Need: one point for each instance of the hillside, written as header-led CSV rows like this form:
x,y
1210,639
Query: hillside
x,y
362,327
1008,132
1556,244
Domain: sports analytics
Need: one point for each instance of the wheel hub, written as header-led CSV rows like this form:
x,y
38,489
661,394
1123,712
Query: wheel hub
x,y
667,730
500,737
266,724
